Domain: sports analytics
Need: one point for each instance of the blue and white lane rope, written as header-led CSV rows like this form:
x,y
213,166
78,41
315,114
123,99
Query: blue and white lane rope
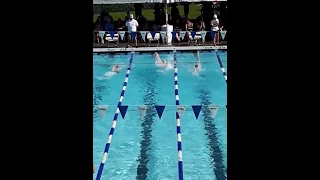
x,y
114,122
176,92
221,66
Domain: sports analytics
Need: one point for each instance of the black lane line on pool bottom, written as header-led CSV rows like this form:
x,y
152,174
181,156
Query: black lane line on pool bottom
x,y
211,132
146,124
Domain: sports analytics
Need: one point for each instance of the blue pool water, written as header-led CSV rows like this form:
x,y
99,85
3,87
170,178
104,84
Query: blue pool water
x,y
147,148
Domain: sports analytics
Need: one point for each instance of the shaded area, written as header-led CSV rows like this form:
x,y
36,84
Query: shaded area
x,y
146,124
211,132
142,44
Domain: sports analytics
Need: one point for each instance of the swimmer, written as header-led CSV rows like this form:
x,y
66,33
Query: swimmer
x,y
116,68
159,62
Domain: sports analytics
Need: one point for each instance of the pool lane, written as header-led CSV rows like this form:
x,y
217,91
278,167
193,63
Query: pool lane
x,y
145,93
205,88
106,92
196,155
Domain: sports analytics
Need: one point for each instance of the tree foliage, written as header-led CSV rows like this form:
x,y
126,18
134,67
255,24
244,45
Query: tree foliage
x,y
118,7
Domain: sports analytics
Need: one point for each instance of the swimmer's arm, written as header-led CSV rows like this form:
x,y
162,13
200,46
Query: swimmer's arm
x,y
198,58
157,57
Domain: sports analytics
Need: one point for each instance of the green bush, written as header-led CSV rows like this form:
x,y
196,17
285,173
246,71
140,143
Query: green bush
x,y
118,7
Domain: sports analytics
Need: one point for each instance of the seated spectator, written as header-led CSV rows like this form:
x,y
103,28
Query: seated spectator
x,y
96,32
187,27
98,27
177,25
199,18
177,28
119,24
108,16
156,27
143,23
109,26
200,26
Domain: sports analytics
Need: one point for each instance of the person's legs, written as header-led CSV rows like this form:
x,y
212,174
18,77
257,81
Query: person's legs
x,y
129,39
217,35
136,42
214,38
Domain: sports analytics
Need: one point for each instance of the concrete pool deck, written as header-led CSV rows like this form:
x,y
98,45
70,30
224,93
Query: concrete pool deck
x,y
143,47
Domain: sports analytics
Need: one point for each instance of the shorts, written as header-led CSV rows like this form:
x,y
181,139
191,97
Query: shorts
x,y
129,36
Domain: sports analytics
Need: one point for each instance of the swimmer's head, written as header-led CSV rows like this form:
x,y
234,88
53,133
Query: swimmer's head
x,y
164,61
117,66
196,66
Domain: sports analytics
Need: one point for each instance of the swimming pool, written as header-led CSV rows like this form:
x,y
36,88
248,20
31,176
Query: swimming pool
x,y
147,149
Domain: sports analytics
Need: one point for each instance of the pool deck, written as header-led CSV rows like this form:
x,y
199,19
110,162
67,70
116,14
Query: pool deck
x,y
103,48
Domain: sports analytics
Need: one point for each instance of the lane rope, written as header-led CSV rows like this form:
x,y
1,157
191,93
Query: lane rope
x,y
114,122
221,66
176,92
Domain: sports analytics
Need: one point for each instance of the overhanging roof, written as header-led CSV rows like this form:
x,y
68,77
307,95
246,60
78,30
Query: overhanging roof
x,y
144,1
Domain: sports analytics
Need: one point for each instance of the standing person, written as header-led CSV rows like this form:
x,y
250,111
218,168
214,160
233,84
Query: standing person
x,y
186,9
174,12
206,12
215,27
156,12
127,16
93,168
132,25
138,9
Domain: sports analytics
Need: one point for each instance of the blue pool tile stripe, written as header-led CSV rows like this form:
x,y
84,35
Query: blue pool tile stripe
x,y
123,111
176,92
221,66
159,110
114,122
196,110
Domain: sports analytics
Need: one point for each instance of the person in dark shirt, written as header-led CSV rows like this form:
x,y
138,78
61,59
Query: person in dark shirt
x,y
102,18
127,16
119,24
157,9
186,9
207,14
138,9
200,24
174,12
109,26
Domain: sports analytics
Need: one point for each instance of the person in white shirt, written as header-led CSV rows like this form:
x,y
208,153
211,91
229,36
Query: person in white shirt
x,y
215,27
132,25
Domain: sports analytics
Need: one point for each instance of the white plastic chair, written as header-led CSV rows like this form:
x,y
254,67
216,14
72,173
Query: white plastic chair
x,y
196,37
156,38
109,39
